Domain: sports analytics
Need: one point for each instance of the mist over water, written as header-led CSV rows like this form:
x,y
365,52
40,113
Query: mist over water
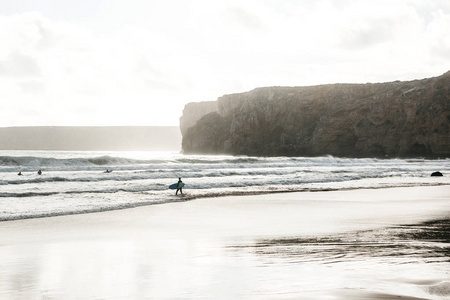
x,y
76,181
106,138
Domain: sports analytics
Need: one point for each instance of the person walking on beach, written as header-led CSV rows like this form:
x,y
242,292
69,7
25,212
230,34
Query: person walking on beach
x,y
179,188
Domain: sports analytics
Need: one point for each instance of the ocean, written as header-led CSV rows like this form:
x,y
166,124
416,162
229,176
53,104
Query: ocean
x,y
74,182
364,240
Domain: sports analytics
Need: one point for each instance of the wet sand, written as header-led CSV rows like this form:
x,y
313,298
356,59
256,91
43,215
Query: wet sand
x,y
360,244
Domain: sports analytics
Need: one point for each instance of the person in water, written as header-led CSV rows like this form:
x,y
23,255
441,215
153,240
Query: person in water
x,y
178,187
20,174
39,172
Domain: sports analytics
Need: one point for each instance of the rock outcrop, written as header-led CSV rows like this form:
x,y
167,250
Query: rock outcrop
x,y
437,174
194,111
394,119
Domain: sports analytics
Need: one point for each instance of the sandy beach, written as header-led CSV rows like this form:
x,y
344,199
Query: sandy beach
x,y
357,244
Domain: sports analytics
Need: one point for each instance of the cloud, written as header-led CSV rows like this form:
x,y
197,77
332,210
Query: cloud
x,y
32,86
84,78
438,33
138,63
244,18
19,65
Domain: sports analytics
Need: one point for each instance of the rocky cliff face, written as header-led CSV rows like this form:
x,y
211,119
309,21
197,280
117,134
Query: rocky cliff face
x,y
195,111
395,119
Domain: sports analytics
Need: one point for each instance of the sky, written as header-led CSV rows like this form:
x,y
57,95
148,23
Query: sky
x,y
137,63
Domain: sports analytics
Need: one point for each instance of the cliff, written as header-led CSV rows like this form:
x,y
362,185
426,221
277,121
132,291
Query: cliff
x,y
193,112
394,119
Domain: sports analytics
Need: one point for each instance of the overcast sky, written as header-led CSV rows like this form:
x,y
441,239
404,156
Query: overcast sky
x,y
117,62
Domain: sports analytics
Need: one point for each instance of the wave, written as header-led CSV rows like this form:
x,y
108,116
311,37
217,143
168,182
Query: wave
x,y
219,160
84,211
106,160
216,189
198,162
171,199
143,175
231,177
35,161
34,180
108,190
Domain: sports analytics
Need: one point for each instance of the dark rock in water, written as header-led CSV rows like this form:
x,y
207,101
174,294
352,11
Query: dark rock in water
x,y
393,119
436,174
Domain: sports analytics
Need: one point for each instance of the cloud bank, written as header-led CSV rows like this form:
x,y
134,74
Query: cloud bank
x,y
138,63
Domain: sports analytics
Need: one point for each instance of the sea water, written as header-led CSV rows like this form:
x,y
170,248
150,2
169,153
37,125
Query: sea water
x,y
77,182
358,245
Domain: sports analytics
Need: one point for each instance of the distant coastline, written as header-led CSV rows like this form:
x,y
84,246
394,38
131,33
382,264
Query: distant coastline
x,y
90,138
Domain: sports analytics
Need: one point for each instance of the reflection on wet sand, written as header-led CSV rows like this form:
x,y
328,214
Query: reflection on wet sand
x,y
390,263
428,241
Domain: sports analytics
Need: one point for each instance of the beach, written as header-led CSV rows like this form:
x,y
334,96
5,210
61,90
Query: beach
x,y
391,243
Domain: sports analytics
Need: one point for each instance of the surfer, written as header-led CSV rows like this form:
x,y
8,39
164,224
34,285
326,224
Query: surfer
x,y
179,188
20,174
39,172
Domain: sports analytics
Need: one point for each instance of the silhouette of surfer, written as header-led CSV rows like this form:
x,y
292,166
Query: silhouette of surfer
x,y
39,172
20,174
108,171
178,187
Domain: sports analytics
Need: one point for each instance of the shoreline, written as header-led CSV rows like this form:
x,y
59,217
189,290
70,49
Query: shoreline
x,y
354,244
197,197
